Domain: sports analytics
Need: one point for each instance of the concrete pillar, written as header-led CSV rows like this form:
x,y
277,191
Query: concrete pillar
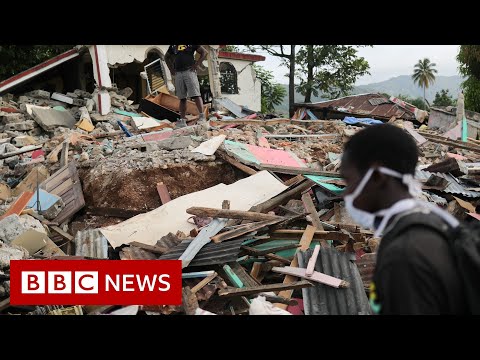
x,y
101,73
214,71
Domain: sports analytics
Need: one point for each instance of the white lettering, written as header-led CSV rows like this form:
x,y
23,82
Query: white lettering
x,y
127,282
115,284
146,280
160,280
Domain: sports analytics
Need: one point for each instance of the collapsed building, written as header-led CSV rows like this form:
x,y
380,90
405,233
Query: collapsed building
x,y
248,205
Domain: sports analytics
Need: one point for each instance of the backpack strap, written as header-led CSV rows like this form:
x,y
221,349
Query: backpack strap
x,y
419,217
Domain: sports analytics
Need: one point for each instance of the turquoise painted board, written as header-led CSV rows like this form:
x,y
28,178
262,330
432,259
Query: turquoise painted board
x,y
318,179
464,130
127,113
241,151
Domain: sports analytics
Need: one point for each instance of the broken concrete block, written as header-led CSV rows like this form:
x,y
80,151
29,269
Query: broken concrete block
x,y
174,143
32,101
10,118
8,252
24,140
5,192
31,240
7,148
48,205
39,94
12,161
126,92
13,225
82,94
90,105
22,126
62,98
72,95
49,119
35,132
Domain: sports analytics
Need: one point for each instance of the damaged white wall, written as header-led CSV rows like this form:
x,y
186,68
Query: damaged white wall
x,y
249,88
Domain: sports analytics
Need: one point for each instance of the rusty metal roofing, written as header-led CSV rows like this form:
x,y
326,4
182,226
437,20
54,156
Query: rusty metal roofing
x,y
326,300
453,186
135,253
362,105
366,267
91,243
210,254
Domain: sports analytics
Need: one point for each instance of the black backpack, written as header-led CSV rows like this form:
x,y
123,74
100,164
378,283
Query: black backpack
x,y
464,242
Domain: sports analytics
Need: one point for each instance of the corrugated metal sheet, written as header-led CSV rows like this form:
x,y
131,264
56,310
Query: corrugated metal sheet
x,y
366,268
91,243
360,105
325,300
453,186
210,254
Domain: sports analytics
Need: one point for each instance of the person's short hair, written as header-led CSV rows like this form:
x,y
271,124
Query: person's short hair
x,y
386,144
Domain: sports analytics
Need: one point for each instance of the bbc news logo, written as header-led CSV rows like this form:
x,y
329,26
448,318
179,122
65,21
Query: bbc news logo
x,y
95,282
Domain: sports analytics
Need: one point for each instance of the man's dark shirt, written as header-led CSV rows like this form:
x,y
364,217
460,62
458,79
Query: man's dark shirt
x,y
184,56
416,272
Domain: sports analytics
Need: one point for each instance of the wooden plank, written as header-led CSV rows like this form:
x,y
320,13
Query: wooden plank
x,y
304,245
152,248
234,279
61,189
228,292
243,230
256,252
242,274
316,276
4,304
20,151
64,156
278,258
297,170
312,261
294,180
231,214
163,193
233,162
328,215
282,198
453,143
255,272
53,185
64,234
204,282
18,205
307,201
189,301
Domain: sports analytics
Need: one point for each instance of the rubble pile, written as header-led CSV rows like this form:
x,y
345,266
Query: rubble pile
x,y
264,192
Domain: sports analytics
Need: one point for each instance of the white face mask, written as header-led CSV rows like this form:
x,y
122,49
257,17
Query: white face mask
x,y
365,218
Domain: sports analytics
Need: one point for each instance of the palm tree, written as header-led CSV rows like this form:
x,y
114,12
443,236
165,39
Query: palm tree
x,y
423,74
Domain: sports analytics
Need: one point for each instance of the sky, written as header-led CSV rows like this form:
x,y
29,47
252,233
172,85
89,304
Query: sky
x,y
387,61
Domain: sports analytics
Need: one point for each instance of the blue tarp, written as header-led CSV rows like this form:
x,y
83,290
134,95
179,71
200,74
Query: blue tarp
x,y
353,120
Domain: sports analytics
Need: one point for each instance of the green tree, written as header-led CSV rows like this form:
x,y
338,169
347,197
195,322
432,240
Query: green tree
x,y
424,74
330,70
469,59
443,98
17,58
272,93
288,59
231,48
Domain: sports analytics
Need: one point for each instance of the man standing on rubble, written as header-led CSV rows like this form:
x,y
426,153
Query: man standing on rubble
x,y
180,60
415,271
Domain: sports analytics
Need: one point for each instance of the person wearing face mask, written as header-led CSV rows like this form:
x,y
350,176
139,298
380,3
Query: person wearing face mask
x,y
415,271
